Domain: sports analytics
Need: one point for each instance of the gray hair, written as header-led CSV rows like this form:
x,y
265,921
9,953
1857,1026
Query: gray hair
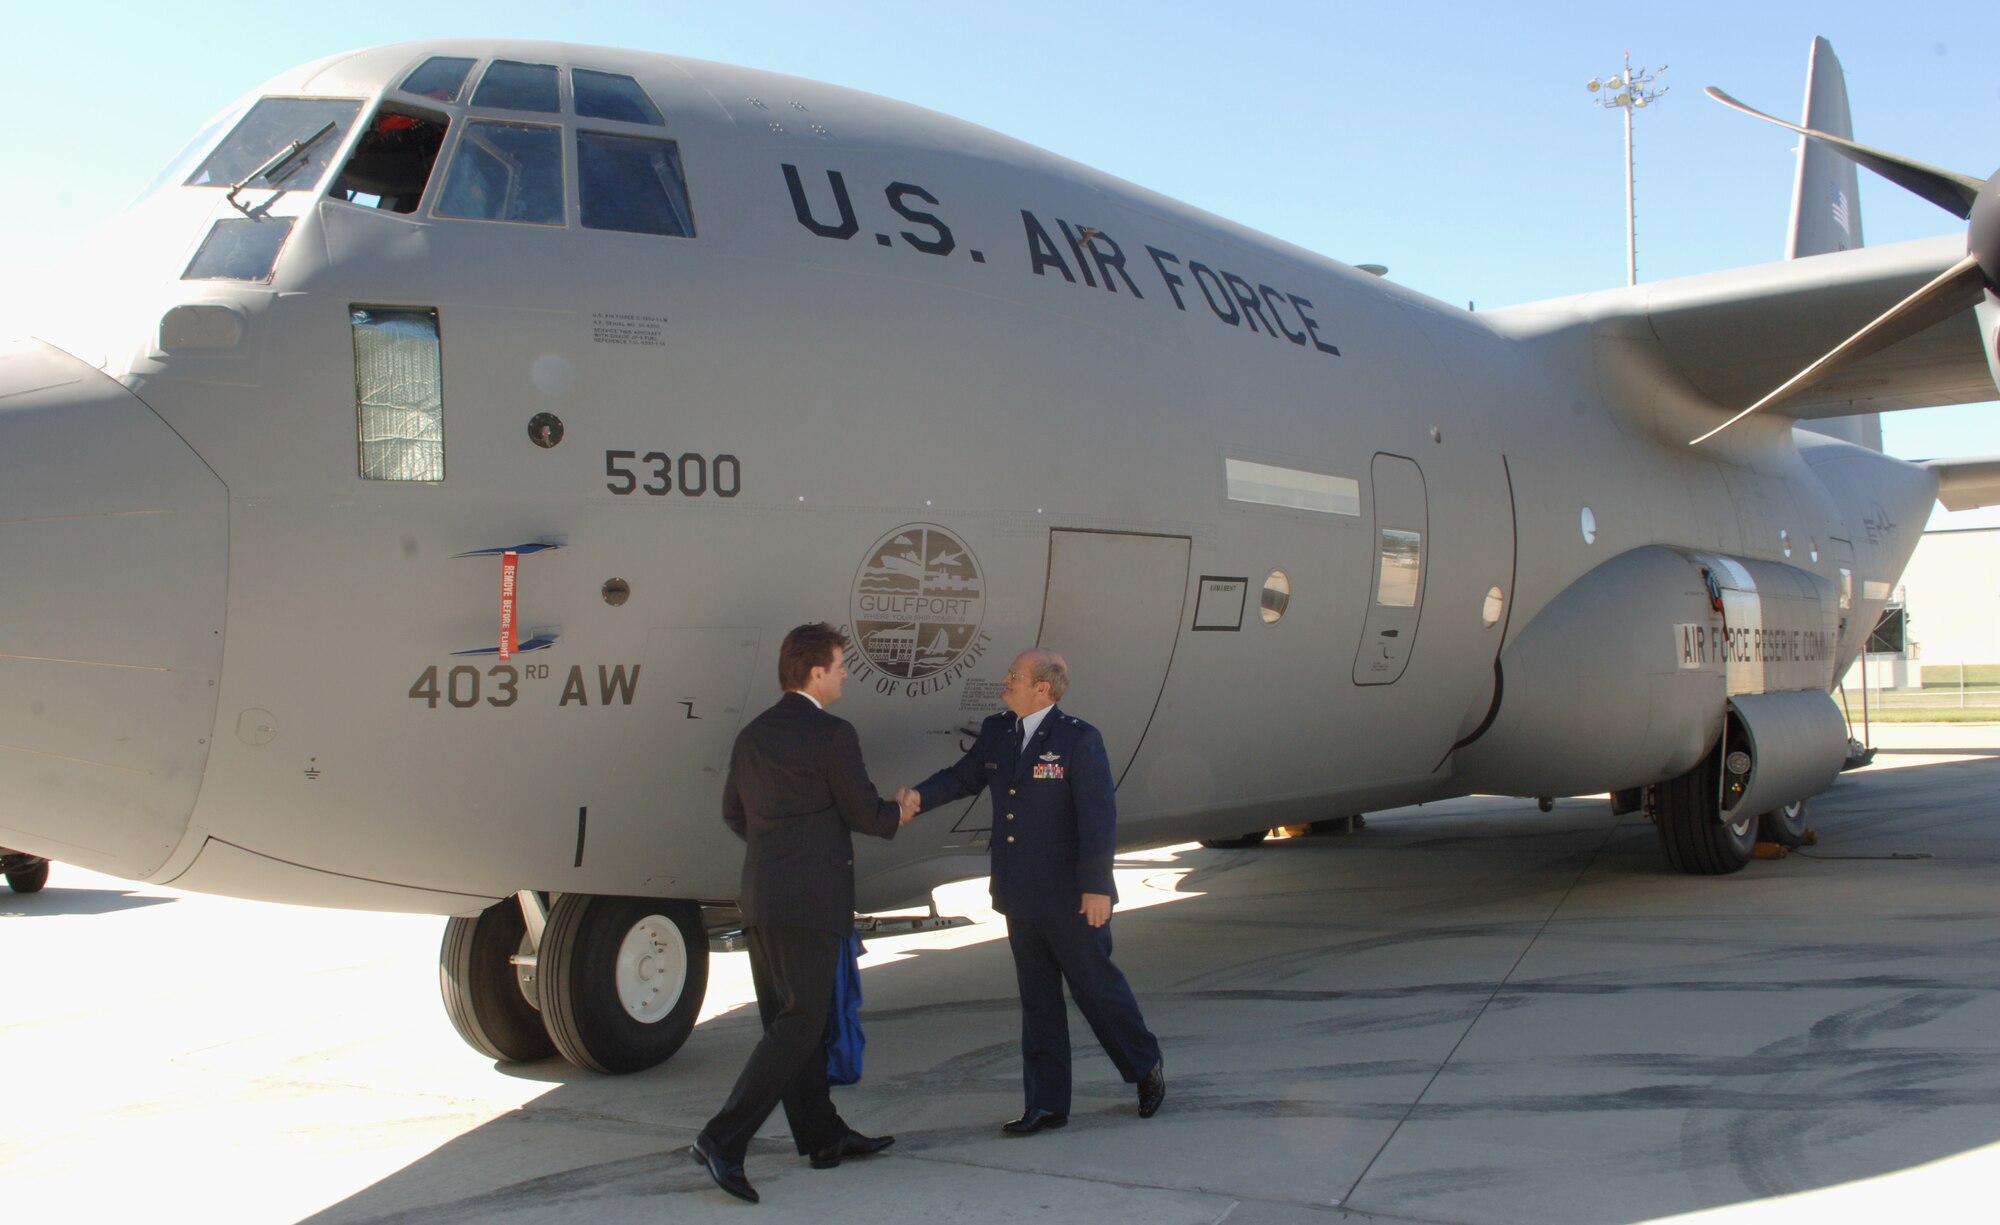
x,y
1046,665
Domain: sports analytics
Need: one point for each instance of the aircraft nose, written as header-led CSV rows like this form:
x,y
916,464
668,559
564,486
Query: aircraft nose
x,y
113,567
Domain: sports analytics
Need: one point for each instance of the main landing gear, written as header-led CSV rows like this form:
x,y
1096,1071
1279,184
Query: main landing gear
x,y
1697,836
1700,839
1787,826
611,983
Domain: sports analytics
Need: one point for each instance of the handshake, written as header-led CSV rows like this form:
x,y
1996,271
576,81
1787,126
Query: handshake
x,y
910,802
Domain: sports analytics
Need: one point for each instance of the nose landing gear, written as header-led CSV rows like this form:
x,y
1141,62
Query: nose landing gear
x,y
25,873
610,983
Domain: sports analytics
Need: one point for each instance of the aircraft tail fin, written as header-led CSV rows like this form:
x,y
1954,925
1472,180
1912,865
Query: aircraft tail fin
x,y
1826,203
1826,197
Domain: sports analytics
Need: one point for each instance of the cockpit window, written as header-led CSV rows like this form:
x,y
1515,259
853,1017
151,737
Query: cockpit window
x,y
606,95
440,77
632,183
177,170
392,161
512,86
309,128
240,249
505,172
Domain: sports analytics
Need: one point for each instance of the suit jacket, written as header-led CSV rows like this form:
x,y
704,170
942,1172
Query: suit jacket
x,y
1055,821
797,792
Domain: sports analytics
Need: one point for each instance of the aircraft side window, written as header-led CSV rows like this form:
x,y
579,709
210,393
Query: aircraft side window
x,y
505,172
610,95
632,183
513,86
1402,566
391,163
1275,598
440,77
240,249
398,393
283,142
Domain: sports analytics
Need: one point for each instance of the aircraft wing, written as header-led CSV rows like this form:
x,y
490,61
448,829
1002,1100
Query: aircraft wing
x,y
1967,484
1735,335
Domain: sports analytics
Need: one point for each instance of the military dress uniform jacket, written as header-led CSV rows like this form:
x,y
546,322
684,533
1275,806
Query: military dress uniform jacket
x,y
797,792
1055,821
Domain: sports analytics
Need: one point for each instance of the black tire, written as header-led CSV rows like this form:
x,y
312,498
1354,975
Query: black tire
x,y
1236,843
486,996
29,878
622,1019
1694,833
1785,826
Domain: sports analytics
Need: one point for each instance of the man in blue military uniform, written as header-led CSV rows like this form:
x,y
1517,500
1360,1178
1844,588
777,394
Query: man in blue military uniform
x,y
1054,829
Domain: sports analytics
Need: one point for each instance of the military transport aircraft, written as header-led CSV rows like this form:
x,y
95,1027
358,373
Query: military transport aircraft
x,y
409,516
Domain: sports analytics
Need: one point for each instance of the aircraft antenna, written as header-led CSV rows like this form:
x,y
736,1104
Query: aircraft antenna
x,y
1629,91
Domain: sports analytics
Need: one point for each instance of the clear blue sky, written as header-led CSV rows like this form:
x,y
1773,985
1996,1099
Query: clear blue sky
x,y
1453,142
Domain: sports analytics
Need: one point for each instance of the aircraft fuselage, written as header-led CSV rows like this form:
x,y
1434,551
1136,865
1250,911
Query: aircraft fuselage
x,y
906,375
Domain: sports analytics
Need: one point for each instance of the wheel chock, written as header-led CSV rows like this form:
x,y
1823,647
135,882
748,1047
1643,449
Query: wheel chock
x,y
1771,850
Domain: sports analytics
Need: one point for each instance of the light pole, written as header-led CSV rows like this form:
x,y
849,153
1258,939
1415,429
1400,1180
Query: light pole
x,y
1628,92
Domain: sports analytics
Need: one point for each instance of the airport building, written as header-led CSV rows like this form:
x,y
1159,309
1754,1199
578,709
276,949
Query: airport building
x,y
1950,599
1951,593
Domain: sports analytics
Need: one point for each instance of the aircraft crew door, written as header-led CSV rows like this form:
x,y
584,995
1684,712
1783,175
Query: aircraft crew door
x,y
1396,594
1113,610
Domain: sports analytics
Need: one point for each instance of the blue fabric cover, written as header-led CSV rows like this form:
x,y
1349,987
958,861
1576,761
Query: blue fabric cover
x,y
844,1039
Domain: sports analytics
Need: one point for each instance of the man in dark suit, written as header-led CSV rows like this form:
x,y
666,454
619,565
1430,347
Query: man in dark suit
x,y
797,792
1054,829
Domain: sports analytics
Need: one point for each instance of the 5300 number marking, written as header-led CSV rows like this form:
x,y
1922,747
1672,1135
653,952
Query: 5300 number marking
x,y
695,475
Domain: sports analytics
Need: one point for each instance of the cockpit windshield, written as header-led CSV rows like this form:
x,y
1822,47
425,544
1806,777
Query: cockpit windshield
x,y
607,95
440,77
273,126
512,86
505,172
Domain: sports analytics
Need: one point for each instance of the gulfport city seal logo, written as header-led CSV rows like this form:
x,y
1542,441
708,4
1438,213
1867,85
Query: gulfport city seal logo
x,y
919,599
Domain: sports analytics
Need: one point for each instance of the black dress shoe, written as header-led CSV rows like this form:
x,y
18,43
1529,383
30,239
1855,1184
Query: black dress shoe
x,y
1034,1119
1153,1090
853,1144
727,1174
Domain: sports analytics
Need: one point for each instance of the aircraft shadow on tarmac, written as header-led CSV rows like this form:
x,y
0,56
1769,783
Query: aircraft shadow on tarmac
x,y
1469,1011
56,901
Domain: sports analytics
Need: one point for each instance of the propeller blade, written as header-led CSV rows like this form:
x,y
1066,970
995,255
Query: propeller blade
x,y
1949,190
1948,293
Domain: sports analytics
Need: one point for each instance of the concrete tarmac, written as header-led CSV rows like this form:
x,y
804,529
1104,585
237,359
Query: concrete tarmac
x,y
1467,1012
